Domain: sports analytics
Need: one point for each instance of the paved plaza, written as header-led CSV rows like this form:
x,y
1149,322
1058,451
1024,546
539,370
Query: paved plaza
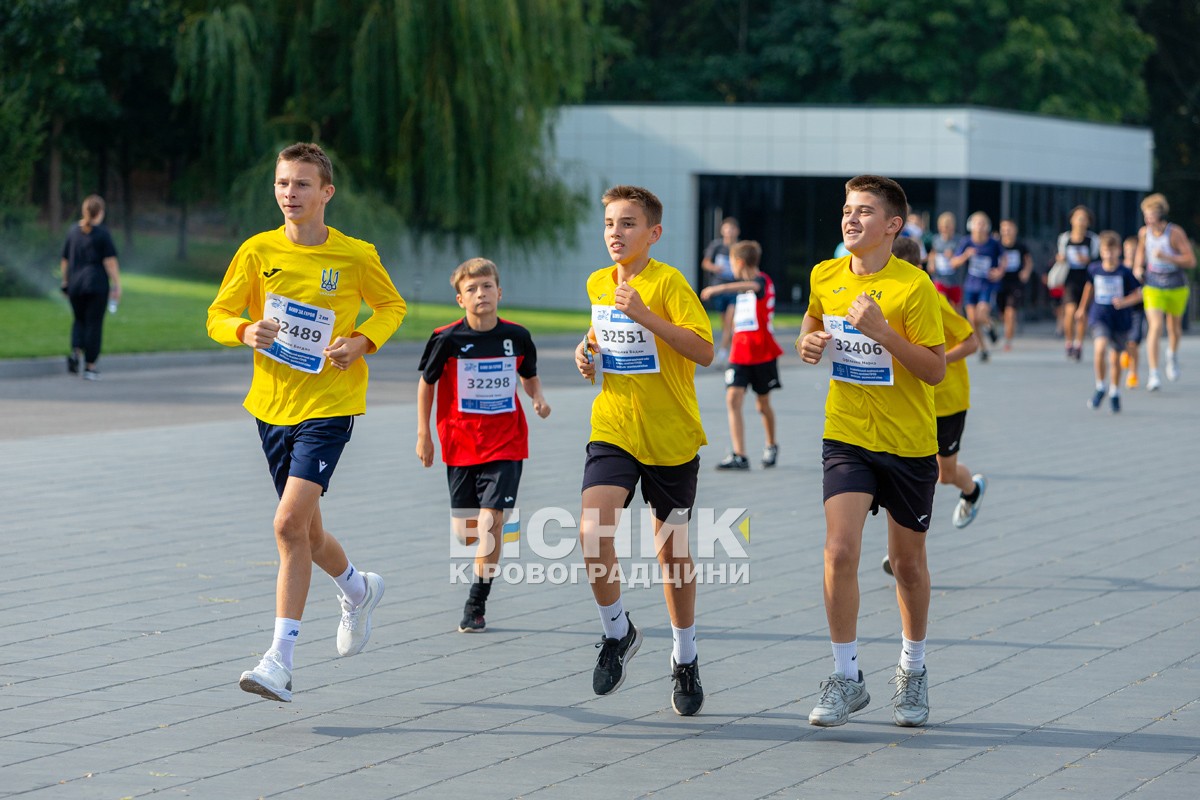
x,y
1064,650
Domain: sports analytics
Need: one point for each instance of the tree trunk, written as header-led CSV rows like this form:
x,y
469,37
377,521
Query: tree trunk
x,y
54,210
125,165
176,179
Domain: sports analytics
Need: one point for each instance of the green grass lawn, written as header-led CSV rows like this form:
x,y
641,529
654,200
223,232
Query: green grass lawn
x,y
166,314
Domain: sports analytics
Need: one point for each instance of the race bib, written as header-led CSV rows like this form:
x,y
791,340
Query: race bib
x,y
941,264
1012,261
979,266
745,313
304,333
626,347
1078,255
487,385
1108,288
857,358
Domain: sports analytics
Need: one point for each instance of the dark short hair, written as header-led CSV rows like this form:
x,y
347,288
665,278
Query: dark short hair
x,y
747,250
309,153
1091,217
642,197
906,248
895,203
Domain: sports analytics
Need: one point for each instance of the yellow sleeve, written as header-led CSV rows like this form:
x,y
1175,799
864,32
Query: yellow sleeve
x,y
815,310
225,320
380,294
923,317
684,308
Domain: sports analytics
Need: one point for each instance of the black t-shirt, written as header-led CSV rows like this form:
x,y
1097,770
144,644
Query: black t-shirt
x,y
85,254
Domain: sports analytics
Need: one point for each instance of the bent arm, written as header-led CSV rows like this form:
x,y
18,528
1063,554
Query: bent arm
x,y
687,343
963,349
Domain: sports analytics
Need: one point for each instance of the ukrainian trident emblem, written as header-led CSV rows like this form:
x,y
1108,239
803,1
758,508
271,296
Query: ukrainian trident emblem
x,y
329,280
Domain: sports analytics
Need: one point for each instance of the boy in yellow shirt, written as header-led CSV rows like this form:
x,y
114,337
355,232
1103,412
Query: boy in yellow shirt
x,y
648,333
878,318
302,286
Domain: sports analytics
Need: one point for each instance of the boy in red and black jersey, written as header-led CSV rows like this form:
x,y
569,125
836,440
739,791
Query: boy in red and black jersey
x,y
473,367
753,358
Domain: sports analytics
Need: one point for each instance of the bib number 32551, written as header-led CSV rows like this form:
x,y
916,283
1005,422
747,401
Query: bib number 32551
x,y
625,346
857,358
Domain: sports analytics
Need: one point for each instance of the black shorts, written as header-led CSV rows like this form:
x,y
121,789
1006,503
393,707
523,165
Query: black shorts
x,y
1073,288
950,431
308,449
1012,291
490,485
1138,331
669,491
904,486
1116,338
762,378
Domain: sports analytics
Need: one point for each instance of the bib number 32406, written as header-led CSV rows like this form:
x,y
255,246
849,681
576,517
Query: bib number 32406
x,y
857,358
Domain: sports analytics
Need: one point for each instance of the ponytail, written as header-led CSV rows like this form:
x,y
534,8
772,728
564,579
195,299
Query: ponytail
x,y
93,208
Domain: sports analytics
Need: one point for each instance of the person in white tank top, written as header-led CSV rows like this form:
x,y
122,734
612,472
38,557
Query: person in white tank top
x,y
1163,252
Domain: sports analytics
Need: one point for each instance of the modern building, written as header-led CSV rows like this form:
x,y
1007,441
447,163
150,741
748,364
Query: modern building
x,y
781,171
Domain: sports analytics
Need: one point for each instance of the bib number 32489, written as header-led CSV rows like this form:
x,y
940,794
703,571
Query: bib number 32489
x,y
857,358
304,333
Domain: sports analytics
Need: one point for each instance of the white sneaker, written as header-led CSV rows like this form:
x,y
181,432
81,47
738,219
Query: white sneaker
x,y
840,697
910,703
1172,367
1153,384
966,511
270,679
355,628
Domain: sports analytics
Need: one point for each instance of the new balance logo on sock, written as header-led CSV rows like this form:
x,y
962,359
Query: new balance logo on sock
x,y
293,632
322,466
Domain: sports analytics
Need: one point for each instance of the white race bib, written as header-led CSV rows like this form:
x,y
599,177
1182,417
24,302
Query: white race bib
x,y
626,348
857,358
745,313
941,264
1108,288
1012,260
487,385
304,333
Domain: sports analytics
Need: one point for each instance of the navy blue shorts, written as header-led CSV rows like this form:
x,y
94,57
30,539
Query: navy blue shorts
x,y
669,491
979,290
902,485
490,485
308,450
724,300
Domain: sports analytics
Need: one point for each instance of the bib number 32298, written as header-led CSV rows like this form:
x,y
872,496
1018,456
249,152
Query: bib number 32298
x,y
857,358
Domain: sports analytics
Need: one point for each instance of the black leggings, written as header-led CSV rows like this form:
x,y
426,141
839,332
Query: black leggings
x,y
88,327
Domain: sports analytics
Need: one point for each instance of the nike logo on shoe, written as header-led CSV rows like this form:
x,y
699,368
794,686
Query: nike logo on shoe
x,y
272,273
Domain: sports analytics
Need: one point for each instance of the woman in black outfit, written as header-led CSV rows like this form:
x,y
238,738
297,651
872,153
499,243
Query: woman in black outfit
x,y
90,279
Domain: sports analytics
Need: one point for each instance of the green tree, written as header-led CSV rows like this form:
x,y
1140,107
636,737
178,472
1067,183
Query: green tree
x,y
1075,58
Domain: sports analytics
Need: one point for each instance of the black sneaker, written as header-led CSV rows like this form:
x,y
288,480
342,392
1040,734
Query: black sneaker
x,y
614,655
983,356
734,461
73,364
472,621
1096,399
688,697
991,332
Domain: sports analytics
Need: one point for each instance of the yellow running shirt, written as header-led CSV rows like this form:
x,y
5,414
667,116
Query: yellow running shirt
x,y
647,403
896,418
953,394
337,275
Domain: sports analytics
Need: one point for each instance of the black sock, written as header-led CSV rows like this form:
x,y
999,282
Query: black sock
x,y
480,590
973,496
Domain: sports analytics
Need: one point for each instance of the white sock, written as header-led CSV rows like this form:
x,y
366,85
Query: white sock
x,y
287,631
352,584
613,618
845,659
912,655
1113,390
1099,386
684,649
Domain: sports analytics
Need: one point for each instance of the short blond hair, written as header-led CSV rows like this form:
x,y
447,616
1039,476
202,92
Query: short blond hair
x,y
474,268
1110,238
1156,200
